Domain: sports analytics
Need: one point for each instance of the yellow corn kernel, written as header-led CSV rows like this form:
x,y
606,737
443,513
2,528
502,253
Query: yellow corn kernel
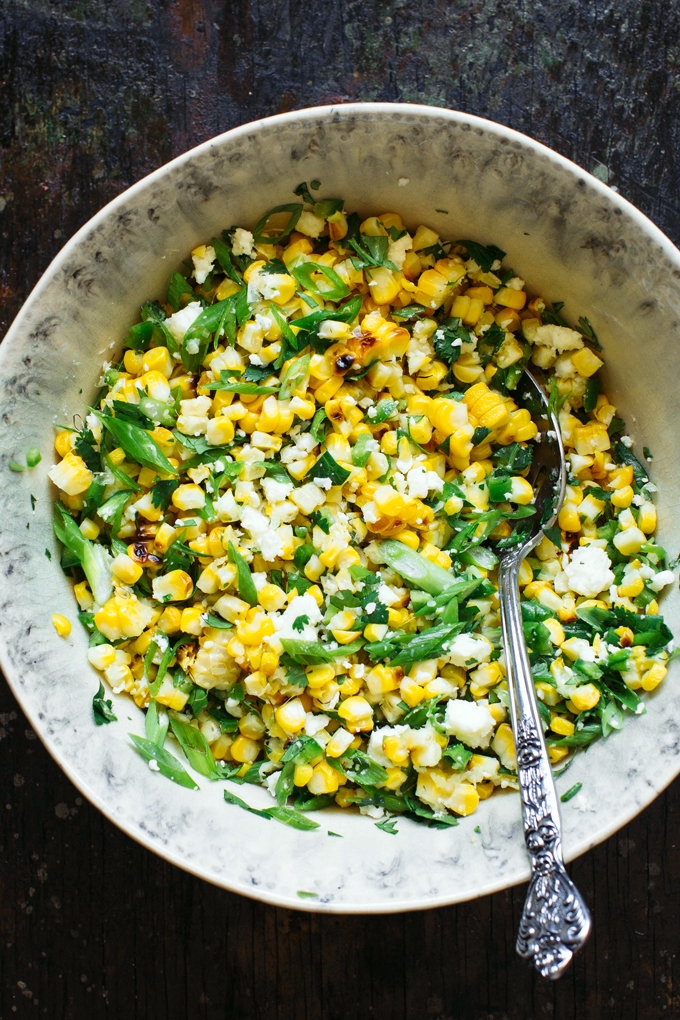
x,y
291,716
163,538
647,518
631,586
71,475
221,748
190,622
585,697
384,285
653,677
503,744
521,491
526,574
324,779
62,442
621,477
125,569
375,631
188,497
431,375
629,541
586,362
432,289
382,679
251,725
510,298
244,749
548,694
568,518
622,497
83,595
173,587
357,713
557,753
302,774
411,692
170,620
101,656
171,697
561,725
61,624
590,438
220,430
556,631
271,598
467,369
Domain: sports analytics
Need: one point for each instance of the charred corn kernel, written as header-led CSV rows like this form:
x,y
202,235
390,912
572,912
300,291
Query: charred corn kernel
x,y
324,779
245,749
561,725
510,298
586,362
61,624
622,497
585,697
647,518
653,677
382,679
83,595
172,587
291,716
357,713
125,569
302,774
190,621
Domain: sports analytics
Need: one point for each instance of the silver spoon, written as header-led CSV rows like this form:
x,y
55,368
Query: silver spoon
x,y
555,921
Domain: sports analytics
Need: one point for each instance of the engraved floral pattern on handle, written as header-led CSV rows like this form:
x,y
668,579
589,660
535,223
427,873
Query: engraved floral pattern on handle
x,y
555,921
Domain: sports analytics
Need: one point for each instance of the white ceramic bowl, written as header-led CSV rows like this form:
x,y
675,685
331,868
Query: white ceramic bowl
x,y
567,234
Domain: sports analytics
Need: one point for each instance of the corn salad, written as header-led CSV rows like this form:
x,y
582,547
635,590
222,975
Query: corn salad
x,y
283,516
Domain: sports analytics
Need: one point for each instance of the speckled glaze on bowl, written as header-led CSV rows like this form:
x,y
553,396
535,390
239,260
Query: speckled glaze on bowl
x,y
567,234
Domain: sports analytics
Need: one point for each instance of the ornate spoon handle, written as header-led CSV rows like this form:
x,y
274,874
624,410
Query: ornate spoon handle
x,y
555,921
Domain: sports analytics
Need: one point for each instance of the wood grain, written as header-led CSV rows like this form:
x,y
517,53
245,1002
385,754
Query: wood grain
x,y
97,93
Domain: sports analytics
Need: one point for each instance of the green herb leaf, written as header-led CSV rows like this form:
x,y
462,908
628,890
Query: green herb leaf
x,y
165,763
156,724
294,208
33,457
231,798
415,569
103,709
320,425
161,493
327,467
484,255
246,586
588,331
312,653
196,748
289,816
385,409
388,825
294,373
458,756
305,273
176,288
137,444
448,340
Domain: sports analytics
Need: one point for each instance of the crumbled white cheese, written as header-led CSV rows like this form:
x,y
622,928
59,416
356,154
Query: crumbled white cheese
x,y
420,482
275,491
588,571
180,322
560,338
470,722
396,251
243,243
301,605
627,441
661,579
469,648
203,264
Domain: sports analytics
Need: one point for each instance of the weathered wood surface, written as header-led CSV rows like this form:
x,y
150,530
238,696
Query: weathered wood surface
x,y
95,94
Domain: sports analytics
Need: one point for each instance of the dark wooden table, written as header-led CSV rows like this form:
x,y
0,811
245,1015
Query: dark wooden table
x,y
97,93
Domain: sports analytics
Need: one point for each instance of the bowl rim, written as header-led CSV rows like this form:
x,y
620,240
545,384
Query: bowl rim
x,y
332,112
